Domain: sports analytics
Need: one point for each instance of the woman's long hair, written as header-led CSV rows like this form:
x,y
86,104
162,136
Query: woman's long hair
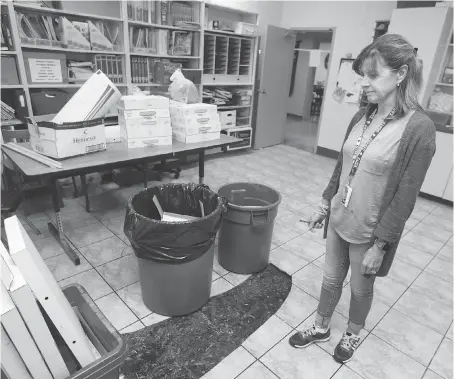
x,y
394,51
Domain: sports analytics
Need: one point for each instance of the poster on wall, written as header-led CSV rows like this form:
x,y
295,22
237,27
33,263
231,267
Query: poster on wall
x,y
348,87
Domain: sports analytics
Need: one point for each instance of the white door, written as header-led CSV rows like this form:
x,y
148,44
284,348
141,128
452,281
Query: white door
x,y
274,86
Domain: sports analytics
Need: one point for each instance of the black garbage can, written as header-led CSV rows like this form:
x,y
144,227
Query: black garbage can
x,y
247,227
175,258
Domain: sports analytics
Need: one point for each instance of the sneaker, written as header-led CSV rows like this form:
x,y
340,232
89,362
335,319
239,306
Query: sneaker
x,y
309,336
346,347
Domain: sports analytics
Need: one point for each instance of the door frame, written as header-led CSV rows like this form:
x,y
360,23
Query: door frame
x,y
333,29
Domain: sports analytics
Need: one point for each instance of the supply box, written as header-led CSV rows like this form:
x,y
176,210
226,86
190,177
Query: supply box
x,y
184,138
142,102
228,119
193,123
144,121
66,139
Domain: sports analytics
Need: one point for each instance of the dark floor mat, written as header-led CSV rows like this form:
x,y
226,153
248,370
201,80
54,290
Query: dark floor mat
x,y
188,347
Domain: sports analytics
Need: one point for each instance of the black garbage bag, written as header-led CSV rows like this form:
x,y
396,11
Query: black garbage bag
x,y
173,242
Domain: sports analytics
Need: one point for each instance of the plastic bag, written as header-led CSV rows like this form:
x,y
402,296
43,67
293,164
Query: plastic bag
x,y
173,242
182,89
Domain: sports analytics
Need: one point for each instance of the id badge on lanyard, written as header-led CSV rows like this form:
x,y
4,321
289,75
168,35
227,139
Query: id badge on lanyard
x,y
347,190
346,195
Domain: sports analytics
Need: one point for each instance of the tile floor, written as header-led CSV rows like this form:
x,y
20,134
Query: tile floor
x,y
409,330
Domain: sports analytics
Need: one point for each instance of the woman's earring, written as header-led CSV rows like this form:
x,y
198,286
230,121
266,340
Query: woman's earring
x,y
398,84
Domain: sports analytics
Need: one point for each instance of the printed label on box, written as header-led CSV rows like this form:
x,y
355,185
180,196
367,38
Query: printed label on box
x,y
45,70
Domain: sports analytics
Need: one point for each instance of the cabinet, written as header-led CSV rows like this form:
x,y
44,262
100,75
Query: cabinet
x,y
439,172
435,48
447,195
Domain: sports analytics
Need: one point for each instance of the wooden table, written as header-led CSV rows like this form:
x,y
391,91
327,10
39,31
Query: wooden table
x,y
116,155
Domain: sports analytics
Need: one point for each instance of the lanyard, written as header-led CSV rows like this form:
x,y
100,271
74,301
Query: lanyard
x,y
357,156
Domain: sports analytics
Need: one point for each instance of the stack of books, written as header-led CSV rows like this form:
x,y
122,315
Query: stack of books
x,y
111,66
242,96
192,123
7,113
144,121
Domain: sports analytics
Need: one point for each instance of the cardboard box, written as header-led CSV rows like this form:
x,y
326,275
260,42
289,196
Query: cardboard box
x,y
140,132
180,137
66,139
193,121
194,130
144,121
228,118
147,142
142,102
149,114
198,110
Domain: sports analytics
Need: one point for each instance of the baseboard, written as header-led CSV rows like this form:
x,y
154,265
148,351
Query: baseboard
x,y
327,152
435,198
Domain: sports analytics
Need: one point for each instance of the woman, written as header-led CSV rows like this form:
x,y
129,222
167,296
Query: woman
x,y
386,153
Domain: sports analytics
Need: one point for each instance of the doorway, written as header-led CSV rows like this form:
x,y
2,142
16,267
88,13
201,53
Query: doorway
x,y
311,58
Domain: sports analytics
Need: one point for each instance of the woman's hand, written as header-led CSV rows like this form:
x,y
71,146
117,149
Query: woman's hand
x,y
372,260
316,221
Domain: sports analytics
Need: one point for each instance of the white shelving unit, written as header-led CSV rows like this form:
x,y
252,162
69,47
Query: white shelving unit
x,y
229,61
224,58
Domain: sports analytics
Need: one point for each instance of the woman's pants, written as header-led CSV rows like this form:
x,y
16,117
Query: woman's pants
x,y
341,254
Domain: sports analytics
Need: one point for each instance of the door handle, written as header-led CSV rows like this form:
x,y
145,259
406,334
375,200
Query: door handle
x,y
263,91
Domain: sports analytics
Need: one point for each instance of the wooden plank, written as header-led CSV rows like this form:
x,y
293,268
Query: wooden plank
x,y
20,337
12,364
47,291
25,302
33,155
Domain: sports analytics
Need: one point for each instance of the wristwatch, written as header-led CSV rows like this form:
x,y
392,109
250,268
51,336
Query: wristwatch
x,y
382,245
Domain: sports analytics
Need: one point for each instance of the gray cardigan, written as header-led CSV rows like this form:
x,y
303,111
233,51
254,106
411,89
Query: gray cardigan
x,y
414,154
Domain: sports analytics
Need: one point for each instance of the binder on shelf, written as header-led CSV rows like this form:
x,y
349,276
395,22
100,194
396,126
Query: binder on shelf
x,y
7,40
72,37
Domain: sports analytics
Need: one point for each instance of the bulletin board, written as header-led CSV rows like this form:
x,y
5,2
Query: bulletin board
x,y
348,86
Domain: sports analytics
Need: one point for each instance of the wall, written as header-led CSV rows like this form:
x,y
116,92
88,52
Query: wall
x,y
334,13
353,23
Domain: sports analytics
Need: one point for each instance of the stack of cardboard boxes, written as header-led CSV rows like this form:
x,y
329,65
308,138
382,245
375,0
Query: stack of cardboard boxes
x,y
144,121
193,123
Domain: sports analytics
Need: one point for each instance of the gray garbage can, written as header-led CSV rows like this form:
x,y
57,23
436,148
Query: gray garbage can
x,y
247,227
175,258
176,289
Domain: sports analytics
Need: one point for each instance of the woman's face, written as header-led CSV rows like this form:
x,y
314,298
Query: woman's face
x,y
379,82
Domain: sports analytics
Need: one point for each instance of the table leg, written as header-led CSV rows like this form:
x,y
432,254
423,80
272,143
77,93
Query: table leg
x,y
58,232
201,166
145,175
83,180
